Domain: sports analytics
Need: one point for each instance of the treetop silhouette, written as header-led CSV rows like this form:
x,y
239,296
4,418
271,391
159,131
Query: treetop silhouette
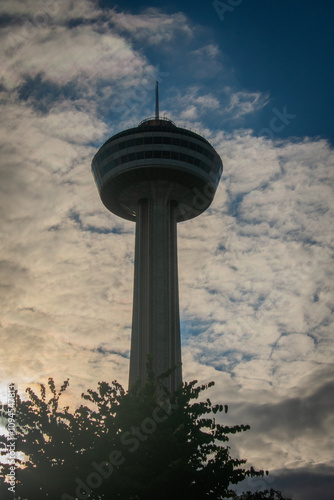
x,y
142,444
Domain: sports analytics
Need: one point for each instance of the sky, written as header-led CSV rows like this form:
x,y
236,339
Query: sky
x,y
254,78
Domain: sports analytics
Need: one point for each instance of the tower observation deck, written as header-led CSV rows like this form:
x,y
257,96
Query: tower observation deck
x,y
156,174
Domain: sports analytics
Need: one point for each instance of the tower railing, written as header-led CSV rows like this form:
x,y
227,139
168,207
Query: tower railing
x,y
161,118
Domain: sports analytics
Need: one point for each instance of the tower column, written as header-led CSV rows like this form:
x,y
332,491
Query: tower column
x,y
156,320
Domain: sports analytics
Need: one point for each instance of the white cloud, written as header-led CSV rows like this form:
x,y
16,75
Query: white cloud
x,y
191,105
205,62
34,14
152,26
80,56
211,50
243,102
261,292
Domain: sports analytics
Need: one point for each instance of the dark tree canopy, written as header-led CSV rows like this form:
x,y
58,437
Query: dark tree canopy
x,y
136,445
262,495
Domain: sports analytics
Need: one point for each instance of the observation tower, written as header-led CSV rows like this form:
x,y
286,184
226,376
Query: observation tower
x,y
156,174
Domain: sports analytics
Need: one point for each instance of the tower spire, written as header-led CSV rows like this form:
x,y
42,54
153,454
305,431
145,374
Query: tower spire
x,y
157,100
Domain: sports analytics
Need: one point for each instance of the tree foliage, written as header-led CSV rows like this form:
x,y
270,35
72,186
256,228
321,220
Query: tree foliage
x,y
138,445
262,495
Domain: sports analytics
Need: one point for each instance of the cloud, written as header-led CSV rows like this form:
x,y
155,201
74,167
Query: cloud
x,y
243,102
298,484
191,104
290,435
307,484
254,274
152,26
81,56
31,13
194,104
55,89
205,62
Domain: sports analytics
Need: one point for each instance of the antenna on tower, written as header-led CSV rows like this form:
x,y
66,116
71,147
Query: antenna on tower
x,y
157,100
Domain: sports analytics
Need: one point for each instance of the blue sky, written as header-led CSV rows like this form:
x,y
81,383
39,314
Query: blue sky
x,y
282,48
255,271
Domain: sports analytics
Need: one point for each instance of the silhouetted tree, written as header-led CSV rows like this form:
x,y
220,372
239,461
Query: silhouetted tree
x,y
263,495
140,445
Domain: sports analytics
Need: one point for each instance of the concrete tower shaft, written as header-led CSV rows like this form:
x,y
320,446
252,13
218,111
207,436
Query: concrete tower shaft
x,y
156,321
156,174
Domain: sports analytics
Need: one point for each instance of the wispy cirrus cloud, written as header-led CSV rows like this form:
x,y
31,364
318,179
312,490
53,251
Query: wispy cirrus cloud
x,y
205,62
243,102
152,26
194,104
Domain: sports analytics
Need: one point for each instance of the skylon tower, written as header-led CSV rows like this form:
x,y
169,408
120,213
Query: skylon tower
x,y
156,174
